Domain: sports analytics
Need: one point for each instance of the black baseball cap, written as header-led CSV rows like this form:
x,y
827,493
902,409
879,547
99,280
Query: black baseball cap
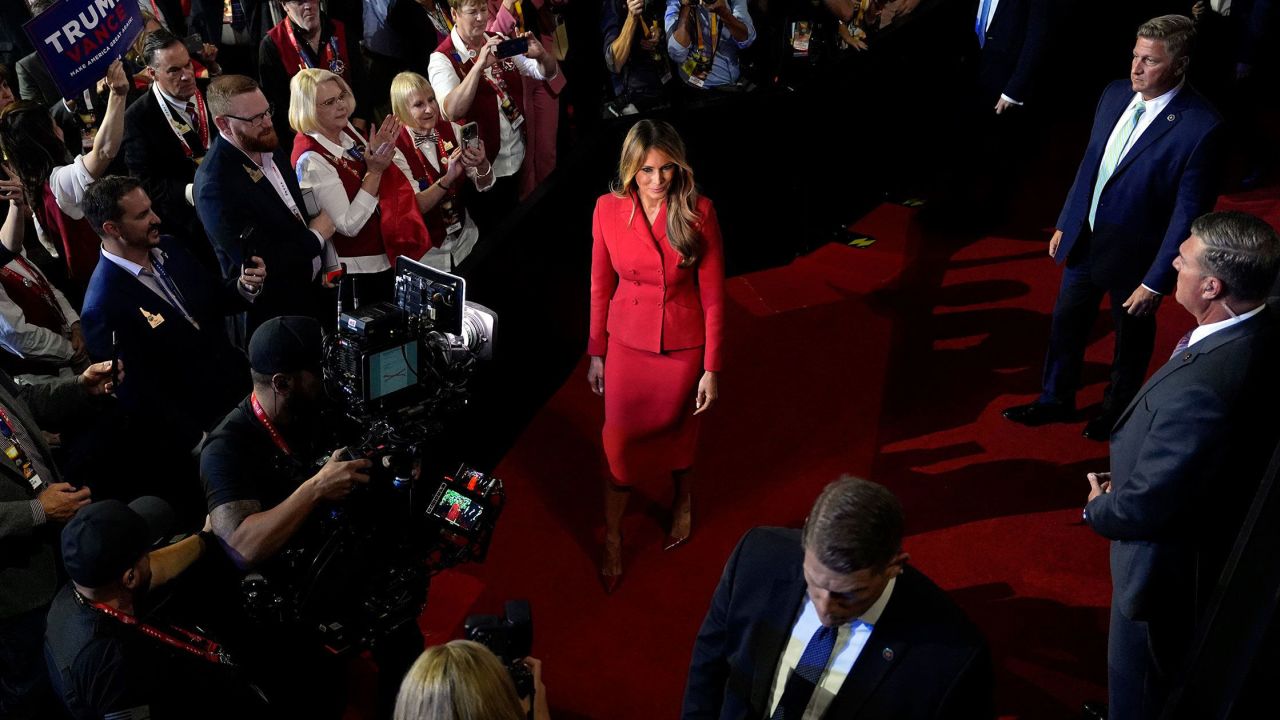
x,y
286,344
107,537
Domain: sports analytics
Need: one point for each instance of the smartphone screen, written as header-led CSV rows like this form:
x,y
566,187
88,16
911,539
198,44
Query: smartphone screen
x,y
512,47
309,201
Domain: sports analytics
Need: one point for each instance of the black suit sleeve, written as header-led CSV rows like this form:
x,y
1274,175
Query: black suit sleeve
x,y
709,667
972,693
140,136
1032,50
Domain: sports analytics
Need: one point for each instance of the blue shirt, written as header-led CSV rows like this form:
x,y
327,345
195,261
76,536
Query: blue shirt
x,y
724,67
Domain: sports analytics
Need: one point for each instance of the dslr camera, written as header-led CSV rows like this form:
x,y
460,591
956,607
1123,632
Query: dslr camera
x,y
510,637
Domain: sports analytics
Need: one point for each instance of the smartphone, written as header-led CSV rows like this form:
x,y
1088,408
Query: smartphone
x,y
470,135
309,201
247,250
511,48
194,44
115,359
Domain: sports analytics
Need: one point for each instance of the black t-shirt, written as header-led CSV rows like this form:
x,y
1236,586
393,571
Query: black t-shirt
x,y
101,667
241,462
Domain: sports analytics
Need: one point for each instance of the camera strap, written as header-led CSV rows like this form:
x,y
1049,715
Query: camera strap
x,y
698,66
276,437
189,642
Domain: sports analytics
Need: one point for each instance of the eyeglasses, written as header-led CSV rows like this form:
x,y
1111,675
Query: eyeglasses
x,y
254,119
343,96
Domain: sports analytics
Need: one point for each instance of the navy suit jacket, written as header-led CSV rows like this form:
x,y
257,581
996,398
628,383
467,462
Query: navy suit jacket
x,y
229,200
1012,50
178,380
1187,456
924,658
1166,180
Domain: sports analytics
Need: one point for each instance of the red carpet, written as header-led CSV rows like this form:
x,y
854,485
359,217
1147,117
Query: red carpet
x,y
891,361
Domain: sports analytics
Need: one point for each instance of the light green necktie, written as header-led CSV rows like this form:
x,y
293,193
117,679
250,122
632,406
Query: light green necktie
x,y
1112,156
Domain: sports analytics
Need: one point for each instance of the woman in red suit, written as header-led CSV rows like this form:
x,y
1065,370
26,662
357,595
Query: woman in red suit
x,y
657,311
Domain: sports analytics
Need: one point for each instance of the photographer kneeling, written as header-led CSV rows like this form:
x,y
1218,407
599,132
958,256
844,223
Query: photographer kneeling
x,y
464,680
261,485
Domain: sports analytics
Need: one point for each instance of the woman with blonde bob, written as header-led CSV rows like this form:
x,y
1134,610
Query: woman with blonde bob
x,y
431,158
345,175
657,315
464,680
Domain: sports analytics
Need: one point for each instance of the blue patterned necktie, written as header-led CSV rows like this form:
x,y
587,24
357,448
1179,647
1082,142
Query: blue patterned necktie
x,y
1183,343
812,662
237,15
980,25
1111,158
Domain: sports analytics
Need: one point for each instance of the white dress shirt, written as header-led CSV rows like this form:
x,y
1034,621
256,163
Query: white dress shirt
x,y
1153,111
511,141
1203,331
851,638
349,216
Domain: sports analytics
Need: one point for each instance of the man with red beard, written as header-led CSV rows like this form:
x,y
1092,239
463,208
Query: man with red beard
x,y
248,198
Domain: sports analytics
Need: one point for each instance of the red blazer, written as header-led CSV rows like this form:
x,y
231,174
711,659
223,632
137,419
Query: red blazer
x,y
640,298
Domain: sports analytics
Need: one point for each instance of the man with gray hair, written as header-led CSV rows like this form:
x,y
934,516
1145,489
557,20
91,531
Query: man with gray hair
x,y
1187,456
830,621
1149,169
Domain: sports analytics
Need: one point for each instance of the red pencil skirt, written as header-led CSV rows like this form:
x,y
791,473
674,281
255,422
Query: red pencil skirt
x,y
649,427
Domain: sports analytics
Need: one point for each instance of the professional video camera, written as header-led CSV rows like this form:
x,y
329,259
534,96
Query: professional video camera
x,y
360,571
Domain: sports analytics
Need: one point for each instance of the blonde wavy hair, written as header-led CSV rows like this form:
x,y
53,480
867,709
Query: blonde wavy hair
x,y
303,89
460,680
682,196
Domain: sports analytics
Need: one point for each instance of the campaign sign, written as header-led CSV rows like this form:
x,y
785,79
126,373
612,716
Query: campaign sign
x,y
79,39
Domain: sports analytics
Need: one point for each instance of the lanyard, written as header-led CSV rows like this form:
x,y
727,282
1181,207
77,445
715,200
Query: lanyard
x,y
182,128
440,19
198,645
266,423
332,57
38,281
15,452
519,6
351,161
714,21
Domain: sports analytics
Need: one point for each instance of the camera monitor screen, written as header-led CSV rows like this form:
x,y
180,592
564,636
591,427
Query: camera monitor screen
x,y
458,510
391,370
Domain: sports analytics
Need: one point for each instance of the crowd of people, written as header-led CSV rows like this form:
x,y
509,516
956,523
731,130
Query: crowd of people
x,y
249,166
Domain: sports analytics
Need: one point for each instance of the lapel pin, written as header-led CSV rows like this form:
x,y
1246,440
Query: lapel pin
x,y
254,173
887,654
1171,117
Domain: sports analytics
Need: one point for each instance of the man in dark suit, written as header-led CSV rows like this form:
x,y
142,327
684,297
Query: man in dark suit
x,y
247,196
151,305
34,502
1187,456
1148,171
14,44
1011,36
34,81
831,622
166,136
236,37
